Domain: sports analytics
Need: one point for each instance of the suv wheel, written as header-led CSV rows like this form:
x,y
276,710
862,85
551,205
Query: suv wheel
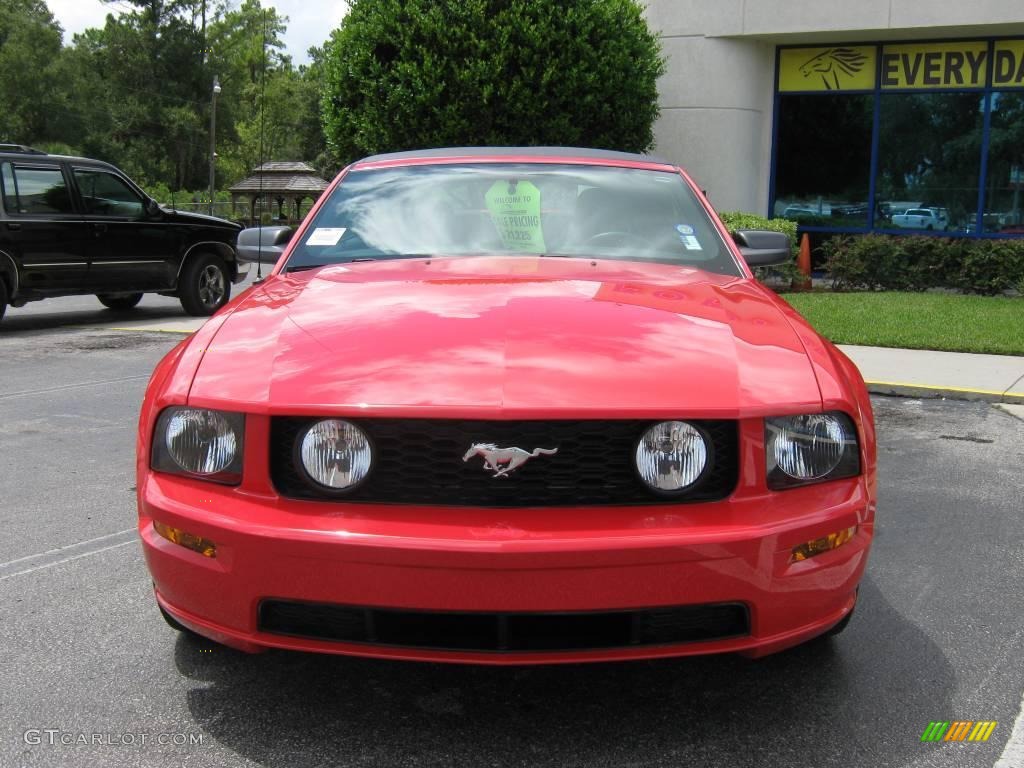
x,y
119,302
3,297
204,286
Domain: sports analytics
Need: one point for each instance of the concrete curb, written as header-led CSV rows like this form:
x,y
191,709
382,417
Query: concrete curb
x,y
904,389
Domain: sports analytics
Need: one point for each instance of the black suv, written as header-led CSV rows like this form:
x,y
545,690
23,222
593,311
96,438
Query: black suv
x,y
69,225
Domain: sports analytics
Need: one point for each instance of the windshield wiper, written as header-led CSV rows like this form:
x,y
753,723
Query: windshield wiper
x,y
305,267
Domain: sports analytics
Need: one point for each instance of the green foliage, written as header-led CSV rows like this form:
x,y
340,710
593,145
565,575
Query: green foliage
x,y
943,321
784,273
30,43
402,74
137,92
735,220
887,262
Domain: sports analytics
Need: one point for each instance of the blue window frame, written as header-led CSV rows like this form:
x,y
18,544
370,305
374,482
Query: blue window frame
x,y
941,132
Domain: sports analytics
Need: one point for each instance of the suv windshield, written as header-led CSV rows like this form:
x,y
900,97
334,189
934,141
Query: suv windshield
x,y
503,208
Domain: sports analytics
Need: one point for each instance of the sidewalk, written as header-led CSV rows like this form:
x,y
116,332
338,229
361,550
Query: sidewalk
x,y
956,375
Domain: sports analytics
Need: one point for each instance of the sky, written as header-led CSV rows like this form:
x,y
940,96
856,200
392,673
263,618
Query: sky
x,y
309,21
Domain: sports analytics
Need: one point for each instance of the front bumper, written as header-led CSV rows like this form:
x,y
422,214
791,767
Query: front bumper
x,y
507,560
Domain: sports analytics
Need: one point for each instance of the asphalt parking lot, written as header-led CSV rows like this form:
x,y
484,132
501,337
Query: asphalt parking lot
x,y
939,633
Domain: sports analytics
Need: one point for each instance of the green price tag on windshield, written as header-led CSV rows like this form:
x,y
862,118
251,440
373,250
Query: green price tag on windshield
x,y
515,211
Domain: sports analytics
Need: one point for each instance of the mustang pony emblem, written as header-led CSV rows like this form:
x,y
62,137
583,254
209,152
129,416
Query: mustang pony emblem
x,y
512,458
831,62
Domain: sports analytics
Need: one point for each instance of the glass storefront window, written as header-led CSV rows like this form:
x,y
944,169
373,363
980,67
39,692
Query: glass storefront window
x,y
1004,187
822,174
929,159
903,136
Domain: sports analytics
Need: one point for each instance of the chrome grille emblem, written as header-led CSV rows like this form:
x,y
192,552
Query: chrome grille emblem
x,y
501,461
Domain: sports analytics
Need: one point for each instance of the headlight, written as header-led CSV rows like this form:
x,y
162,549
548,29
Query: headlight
x,y
810,448
671,456
200,443
335,454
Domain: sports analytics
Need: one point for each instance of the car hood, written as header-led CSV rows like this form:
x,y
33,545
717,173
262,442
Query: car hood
x,y
200,219
507,337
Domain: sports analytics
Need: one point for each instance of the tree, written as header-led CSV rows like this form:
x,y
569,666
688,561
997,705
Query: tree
x,y
401,74
142,91
30,44
137,91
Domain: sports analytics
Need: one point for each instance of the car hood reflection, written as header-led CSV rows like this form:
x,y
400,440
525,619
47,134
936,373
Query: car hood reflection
x,y
507,337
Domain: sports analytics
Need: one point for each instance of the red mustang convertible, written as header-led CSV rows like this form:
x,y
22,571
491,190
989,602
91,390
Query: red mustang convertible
x,y
504,407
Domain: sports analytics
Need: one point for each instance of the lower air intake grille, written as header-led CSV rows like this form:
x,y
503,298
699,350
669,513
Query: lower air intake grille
x,y
504,632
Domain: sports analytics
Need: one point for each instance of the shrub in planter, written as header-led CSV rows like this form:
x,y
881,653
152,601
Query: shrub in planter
x,y
864,262
909,263
991,266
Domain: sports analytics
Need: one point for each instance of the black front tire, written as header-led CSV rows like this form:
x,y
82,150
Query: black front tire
x,y
845,621
173,623
121,302
3,297
205,285
843,624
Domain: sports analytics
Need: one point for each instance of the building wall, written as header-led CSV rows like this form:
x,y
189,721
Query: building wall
x,y
717,93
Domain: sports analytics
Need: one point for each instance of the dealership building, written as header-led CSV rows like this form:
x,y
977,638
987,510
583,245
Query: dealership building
x,y
879,115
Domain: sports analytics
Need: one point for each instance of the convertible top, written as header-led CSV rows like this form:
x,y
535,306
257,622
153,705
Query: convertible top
x,y
491,152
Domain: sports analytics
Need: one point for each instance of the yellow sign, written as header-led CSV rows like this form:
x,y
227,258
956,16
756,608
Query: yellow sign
x,y
934,65
835,68
515,210
1008,64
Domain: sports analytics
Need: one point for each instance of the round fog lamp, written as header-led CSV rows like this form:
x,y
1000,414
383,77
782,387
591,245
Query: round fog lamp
x,y
201,442
336,454
671,456
808,447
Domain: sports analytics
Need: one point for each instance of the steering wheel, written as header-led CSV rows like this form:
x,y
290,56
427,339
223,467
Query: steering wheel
x,y
623,237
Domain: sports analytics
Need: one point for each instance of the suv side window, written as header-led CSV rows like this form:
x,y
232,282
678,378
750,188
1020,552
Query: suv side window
x,y
105,194
37,190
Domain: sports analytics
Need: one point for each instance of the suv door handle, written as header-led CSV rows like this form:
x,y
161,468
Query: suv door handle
x,y
99,228
12,225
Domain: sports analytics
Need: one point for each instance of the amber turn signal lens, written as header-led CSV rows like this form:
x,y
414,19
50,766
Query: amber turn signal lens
x,y
204,547
826,544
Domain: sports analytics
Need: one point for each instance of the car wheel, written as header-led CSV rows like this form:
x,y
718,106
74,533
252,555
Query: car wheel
x,y
3,297
173,623
120,302
843,624
204,286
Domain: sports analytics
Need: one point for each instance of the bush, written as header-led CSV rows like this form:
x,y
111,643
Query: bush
x,y
735,220
909,263
407,74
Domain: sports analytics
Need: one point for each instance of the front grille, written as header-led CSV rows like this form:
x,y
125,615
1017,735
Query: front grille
x,y
504,632
419,461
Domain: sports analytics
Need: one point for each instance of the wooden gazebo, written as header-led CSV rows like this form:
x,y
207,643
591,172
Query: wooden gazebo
x,y
279,181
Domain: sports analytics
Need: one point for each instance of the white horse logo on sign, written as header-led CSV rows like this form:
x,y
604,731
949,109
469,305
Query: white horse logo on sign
x,y
501,461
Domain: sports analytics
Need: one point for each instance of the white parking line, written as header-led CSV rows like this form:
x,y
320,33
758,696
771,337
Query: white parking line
x,y
50,558
1013,752
70,386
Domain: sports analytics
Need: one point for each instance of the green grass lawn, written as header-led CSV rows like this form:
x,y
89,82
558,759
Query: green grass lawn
x,y
953,323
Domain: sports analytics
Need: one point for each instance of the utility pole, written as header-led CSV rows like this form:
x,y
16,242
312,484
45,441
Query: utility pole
x,y
213,137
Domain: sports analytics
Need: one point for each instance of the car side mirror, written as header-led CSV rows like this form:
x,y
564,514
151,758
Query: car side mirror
x,y
153,209
761,248
263,244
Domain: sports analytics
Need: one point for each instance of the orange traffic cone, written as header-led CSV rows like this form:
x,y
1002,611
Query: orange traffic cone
x,y
803,263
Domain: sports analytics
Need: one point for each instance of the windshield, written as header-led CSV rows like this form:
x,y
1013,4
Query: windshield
x,y
502,208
